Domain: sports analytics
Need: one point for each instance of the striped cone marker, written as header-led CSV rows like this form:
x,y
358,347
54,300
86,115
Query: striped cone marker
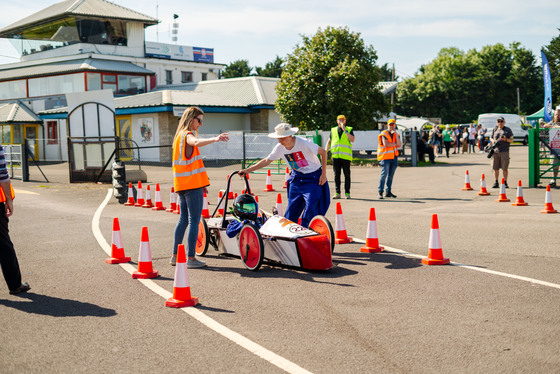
x,y
181,285
435,253
148,203
279,207
140,197
145,269
483,191
372,241
341,237
130,201
177,208
172,201
269,187
503,198
519,199
221,204
205,212
117,250
548,208
467,186
286,177
159,203
259,215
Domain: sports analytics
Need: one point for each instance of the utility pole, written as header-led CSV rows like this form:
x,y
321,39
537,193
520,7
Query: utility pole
x,y
518,102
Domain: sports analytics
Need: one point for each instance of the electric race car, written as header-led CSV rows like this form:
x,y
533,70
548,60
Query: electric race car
x,y
257,236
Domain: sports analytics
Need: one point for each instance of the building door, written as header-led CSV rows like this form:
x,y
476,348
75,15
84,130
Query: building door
x,y
30,132
124,131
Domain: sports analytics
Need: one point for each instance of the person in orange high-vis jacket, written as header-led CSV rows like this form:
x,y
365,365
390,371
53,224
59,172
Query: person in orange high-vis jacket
x,y
8,258
190,181
387,155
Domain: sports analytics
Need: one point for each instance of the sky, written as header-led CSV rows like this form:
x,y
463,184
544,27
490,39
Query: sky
x,y
406,33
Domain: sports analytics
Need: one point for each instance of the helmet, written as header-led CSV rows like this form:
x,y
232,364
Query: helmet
x,y
245,207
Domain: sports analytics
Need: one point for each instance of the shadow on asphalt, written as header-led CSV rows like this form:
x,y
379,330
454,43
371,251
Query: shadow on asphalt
x,y
56,307
394,261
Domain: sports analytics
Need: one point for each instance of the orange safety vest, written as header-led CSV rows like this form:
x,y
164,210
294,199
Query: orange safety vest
x,y
3,197
188,173
387,153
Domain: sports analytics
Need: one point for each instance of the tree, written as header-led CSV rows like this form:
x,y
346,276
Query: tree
x,y
387,73
239,68
272,69
552,52
331,73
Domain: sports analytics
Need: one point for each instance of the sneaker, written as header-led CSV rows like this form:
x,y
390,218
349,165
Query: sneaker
x,y
173,260
23,288
380,196
496,185
389,194
193,264
505,183
336,196
348,196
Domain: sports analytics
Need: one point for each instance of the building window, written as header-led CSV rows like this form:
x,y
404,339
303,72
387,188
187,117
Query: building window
x,y
168,77
52,132
186,76
204,76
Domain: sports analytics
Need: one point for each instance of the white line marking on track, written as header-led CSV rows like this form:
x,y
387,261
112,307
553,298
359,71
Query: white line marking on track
x,y
237,338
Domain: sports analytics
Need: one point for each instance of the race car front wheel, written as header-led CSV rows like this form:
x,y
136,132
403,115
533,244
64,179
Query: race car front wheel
x,y
251,247
202,240
321,225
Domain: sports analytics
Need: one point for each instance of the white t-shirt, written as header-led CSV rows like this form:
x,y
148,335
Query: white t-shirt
x,y
302,157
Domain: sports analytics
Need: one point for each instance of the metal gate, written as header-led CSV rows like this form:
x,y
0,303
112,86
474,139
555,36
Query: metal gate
x,y
544,155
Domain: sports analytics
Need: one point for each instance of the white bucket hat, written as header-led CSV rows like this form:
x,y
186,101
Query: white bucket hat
x,y
282,130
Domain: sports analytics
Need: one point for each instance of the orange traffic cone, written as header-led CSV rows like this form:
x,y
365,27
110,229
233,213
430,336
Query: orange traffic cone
x,y
435,253
148,203
259,215
519,200
117,250
483,191
181,285
159,203
286,177
140,195
503,198
177,209
130,201
205,212
548,208
221,204
279,207
172,201
467,186
341,236
299,221
269,187
372,242
145,269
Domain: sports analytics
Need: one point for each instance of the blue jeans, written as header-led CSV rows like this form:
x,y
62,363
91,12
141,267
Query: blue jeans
x,y
306,196
388,168
191,210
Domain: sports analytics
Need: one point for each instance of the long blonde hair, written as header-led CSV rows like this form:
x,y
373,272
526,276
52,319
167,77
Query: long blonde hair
x,y
186,121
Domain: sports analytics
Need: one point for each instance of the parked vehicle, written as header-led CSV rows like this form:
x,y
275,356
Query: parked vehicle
x,y
513,121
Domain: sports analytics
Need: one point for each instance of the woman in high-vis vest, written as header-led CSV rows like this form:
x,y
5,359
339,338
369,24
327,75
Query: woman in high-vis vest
x,y
190,180
387,154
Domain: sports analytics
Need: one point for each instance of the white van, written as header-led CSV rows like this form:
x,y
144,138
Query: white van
x,y
513,121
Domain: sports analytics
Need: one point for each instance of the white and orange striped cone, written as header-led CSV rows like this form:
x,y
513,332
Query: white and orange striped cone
x,y
130,201
279,207
140,195
435,253
519,201
221,204
172,201
159,203
503,198
467,186
372,241
483,191
205,212
548,208
341,237
145,269
268,187
259,214
177,208
181,285
117,250
148,203
286,177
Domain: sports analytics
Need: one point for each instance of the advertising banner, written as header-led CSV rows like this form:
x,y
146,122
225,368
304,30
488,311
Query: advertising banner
x,y
547,89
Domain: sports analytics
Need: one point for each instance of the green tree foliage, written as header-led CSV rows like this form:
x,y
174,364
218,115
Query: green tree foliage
x,y
552,52
387,73
272,69
239,68
457,86
331,73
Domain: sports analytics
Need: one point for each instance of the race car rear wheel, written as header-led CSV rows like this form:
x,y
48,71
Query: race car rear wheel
x,y
203,239
321,225
251,247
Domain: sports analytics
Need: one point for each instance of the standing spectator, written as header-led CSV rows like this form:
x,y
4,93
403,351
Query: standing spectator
x,y
387,154
8,258
434,140
190,181
456,139
472,138
447,139
340,144
501,136
555,123
425,149
465,140
481,138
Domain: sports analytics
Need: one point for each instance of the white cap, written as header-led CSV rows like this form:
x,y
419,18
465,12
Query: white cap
x,y
283,130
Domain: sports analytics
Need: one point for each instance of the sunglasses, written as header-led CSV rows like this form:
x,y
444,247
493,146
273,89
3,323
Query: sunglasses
x,y
198,119
500,121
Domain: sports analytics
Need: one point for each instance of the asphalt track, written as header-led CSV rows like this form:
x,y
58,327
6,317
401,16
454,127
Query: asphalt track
x,y
372,313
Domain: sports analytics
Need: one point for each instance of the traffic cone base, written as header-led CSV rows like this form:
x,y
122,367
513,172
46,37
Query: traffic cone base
x,y
139,275
174,303
114,260
367,249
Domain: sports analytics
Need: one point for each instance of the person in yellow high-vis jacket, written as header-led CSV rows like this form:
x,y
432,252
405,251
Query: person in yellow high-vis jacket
x,y
340,144
387,155
8,258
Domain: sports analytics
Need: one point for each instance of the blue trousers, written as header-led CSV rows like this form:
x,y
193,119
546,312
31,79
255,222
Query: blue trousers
x,y
388,168
307,196
190,202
